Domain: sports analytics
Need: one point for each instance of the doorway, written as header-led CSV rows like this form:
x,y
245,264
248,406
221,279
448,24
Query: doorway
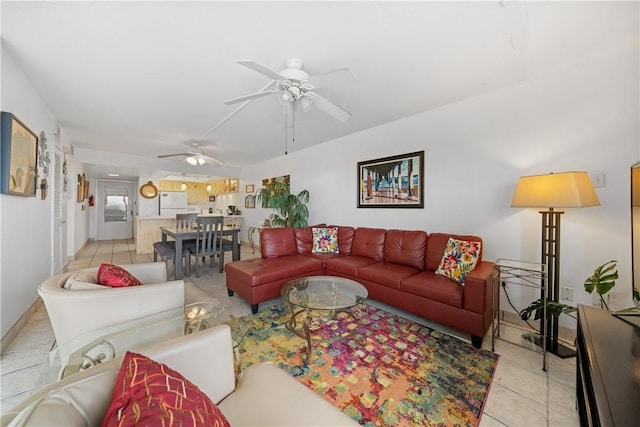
x,y
115,210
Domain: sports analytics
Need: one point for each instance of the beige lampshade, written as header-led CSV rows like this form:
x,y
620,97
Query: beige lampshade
x,y
555,190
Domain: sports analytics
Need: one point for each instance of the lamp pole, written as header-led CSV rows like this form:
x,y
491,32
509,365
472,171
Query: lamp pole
x,y
551,259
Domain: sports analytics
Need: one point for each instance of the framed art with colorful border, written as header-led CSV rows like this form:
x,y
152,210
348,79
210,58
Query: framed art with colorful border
x,y
18,157
392,182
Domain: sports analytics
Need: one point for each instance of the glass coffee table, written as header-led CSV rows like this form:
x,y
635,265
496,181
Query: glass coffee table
x,y
107,343
324,308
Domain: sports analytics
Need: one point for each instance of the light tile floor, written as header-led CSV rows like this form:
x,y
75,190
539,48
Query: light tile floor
x,y
522,394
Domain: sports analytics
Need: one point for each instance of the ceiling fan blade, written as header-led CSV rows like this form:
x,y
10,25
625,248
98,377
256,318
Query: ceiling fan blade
x,y
214,161
331,109
261,69
174,155
249,97
341,75
236,111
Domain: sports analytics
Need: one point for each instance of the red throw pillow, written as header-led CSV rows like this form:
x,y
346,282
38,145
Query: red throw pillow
x,y
116,276
152,394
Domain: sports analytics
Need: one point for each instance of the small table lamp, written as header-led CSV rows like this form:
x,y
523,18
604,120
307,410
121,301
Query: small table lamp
x,y
554,190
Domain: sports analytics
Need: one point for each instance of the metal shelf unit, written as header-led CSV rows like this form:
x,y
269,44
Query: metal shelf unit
x,y
518,273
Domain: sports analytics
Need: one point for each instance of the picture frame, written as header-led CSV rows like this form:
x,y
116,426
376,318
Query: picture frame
x,y
276,183
250,201
249,188
18,157
392,182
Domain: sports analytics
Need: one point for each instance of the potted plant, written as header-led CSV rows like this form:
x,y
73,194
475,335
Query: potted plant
x,y
290,209
602,281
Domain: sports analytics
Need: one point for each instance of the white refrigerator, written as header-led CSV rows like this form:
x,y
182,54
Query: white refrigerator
x,y
172,203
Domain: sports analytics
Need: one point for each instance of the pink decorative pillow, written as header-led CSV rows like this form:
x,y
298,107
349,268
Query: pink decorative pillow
x,y
149,393
116,276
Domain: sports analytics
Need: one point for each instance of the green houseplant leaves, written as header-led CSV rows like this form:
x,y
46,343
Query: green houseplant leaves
x,y
603,280
290,209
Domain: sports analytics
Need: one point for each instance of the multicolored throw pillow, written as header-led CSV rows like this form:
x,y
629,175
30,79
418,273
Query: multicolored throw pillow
x,y
459,259
325,240
152,394
116,276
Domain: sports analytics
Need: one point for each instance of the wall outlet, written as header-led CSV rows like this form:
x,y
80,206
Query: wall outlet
x,y
598,180
566,294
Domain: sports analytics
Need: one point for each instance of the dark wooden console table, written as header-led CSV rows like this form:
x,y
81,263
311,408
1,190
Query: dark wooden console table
x,y
608,368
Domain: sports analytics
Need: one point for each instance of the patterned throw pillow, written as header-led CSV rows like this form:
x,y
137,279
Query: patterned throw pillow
x,y
459,259
116,276
325,240
152,394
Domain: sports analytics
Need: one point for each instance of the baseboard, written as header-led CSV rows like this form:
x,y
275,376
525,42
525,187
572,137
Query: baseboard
x,y
13,332
564,333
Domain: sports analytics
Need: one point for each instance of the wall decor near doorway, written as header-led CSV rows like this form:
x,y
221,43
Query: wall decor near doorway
x,y
392,182
249,188
80,188
148,190
18,157
250,201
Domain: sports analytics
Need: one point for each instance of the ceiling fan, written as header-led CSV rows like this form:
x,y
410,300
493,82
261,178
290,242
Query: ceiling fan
x,y
294,86
195,156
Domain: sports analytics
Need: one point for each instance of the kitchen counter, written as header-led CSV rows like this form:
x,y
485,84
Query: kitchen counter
x,y
147,229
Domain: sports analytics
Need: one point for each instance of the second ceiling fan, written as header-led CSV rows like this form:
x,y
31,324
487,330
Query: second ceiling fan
x,y
295,86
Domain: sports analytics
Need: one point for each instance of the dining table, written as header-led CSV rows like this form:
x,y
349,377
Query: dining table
x,y
180,234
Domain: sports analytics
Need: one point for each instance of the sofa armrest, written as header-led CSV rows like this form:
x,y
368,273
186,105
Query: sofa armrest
x,y
204,358
477,288
75,312
147,273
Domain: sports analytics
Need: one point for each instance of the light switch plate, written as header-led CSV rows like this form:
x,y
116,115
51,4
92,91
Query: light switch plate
x,y
598,180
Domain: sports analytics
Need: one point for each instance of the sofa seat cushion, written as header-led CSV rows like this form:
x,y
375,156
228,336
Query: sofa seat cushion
x,y
432,286
387,274
347,265
267,396
260,271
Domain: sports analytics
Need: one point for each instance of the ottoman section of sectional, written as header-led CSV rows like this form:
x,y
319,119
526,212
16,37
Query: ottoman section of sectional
x,y
261,279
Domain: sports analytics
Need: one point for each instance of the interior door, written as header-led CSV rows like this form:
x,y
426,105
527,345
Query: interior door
x,y
59,213
115,210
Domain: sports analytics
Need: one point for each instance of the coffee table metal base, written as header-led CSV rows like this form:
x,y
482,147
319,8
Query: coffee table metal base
x,y
302,324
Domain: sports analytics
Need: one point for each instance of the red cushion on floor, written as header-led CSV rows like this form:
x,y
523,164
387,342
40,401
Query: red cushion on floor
x,y
152,394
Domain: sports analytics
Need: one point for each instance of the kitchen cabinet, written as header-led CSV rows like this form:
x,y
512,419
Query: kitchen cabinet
x,y
197,191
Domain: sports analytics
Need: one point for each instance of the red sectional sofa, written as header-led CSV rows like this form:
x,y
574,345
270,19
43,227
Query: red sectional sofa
x,y
396,266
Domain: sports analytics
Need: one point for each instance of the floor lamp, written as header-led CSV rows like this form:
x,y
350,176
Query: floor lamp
x,y
554,190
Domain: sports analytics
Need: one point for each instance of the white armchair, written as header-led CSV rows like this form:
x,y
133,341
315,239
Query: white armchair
x,y
264,394
81,309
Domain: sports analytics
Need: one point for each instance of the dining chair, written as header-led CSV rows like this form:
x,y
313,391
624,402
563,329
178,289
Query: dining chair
x,y
208,242
167,250
233,221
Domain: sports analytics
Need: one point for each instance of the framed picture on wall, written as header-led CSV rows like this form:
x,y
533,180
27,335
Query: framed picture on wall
x,y
18,157
250,202
392,182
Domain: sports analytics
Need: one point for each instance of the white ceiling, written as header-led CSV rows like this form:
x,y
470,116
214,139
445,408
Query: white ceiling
x,y
141,77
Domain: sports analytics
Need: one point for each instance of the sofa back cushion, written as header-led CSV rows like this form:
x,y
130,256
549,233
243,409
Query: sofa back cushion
x,y
437,244
304,238
275,242
405,248
369,242
345,239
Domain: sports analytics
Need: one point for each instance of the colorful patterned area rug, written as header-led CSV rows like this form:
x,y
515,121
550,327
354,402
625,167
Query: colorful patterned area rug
x,y
391,372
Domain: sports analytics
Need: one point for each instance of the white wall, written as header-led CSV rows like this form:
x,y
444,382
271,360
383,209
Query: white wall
x,y
25,222
583,117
